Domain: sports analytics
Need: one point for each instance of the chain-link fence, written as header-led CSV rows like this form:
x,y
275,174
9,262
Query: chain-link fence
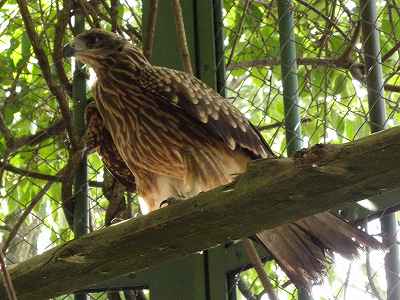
x,y
37,190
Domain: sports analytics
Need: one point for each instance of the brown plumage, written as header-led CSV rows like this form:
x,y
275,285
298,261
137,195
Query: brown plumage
x,y
98,138
179,137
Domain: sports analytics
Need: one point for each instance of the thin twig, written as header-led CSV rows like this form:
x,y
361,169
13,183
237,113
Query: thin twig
x,y
280,124
6,132
346,55
44,65
391,88
4,159
2,3
28,173
86,10
238,32
327,32
7,279
181,35
258,266
388,54
346,282
133,13
114,15
245,290
56,128
42,176
374,289
311,7
62,22
151,29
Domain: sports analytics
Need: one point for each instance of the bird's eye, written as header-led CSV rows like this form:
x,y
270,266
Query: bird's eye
x,y
93,41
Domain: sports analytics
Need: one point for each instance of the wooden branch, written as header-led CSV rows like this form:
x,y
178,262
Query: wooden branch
x,y
271,193
391,88
30,140
42,176
62,22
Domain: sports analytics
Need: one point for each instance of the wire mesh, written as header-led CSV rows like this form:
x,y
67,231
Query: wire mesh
x,y
333,108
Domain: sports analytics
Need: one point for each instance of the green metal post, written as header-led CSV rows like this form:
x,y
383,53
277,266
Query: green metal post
x,y
81,215
289,76
373,64
184,278
290,87
219,46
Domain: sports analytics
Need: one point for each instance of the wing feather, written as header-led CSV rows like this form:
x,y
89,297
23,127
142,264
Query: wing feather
x,y
195,99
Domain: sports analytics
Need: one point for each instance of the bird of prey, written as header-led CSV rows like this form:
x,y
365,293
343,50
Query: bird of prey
x,y
178,137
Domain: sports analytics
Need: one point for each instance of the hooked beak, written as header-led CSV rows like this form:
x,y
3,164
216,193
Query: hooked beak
x,y
73,48
68,50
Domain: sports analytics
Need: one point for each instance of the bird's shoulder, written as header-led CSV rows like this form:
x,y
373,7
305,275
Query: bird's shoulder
x,y
196,99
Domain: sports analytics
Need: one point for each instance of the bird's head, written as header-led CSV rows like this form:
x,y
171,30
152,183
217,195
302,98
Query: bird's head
x,y
95,46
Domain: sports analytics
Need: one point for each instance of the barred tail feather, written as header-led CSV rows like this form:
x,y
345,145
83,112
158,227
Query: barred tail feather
x,y
304,249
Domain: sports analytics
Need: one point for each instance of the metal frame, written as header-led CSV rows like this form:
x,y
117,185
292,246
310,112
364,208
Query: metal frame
x,y
289,76
81,203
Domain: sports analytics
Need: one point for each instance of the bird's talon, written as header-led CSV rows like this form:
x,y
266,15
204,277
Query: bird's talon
x,y
169,201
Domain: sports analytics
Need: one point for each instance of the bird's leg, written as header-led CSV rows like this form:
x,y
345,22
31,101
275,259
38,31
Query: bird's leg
x,y
169,201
